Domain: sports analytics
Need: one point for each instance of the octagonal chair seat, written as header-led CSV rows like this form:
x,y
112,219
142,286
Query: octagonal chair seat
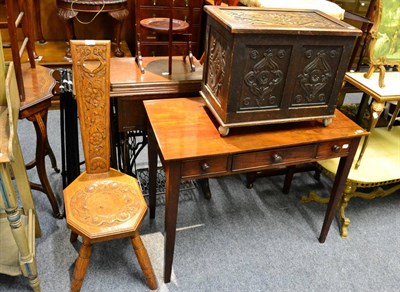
x,y
104,206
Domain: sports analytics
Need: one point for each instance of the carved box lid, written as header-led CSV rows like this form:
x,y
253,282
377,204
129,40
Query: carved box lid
x,y
252,20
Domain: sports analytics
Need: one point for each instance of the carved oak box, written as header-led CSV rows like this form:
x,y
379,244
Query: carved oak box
x,y
266,66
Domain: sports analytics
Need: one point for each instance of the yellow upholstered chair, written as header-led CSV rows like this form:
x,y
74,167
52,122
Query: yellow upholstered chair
x,y
102,204
18,226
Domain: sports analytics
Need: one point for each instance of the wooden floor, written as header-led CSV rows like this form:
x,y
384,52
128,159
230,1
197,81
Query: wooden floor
x,y
52,54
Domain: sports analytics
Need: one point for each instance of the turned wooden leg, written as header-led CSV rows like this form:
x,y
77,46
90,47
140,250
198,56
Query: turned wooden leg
x,y
144,260
81,265
39,121
8,201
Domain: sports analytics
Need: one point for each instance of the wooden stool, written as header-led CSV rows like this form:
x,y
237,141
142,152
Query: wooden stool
x,y
67,10
102,203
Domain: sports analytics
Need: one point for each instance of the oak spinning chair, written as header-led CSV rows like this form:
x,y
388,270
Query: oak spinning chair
x,y
102,204
35,85
383,51
18,226
171,26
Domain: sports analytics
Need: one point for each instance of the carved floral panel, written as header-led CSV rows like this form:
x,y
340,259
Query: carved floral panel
x,y
91,205
285,19
317,69
264,77
92,63
216,73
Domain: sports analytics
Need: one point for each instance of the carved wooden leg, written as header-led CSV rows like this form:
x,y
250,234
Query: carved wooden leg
x,y
119,16
376,111
39,121
382,71
348,192
67,17
314,197
369,72
144,260
81,265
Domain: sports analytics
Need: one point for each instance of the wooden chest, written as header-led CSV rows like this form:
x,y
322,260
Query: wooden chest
x,y
266,66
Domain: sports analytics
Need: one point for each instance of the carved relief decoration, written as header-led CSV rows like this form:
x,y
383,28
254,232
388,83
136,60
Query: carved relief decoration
x,y
316,76
264,78
216,64
92,99
91,205
281,19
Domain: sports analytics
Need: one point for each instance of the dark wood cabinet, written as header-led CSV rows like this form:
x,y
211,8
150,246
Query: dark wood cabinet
x,y
266,66
153,43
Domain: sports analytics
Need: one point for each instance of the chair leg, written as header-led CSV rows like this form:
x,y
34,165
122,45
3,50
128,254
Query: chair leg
x,y
73,237
144,260
39,121
81,265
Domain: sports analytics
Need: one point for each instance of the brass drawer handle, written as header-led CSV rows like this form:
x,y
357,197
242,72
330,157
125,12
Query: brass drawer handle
x,y
154,2
276,158
336,148
204,166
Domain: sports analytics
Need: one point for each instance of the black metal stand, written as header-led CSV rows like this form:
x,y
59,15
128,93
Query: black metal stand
x,y
69,129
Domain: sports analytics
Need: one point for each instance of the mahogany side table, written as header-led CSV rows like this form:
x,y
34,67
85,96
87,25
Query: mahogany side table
x,y
182,132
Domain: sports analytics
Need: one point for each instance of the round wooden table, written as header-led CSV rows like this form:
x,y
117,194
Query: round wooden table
x,y
67,10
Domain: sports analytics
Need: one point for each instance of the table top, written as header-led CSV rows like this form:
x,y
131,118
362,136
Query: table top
x,y
127,80
185,129
391,91
381,160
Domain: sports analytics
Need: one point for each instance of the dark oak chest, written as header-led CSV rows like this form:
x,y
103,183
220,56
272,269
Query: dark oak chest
x,y
268,66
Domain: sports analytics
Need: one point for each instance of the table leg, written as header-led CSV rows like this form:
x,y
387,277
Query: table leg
x,y
38,23
152,157
376,111
172,177
338,187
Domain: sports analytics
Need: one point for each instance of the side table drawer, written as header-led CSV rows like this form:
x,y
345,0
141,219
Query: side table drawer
x,y
279,157
204,166
334,148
